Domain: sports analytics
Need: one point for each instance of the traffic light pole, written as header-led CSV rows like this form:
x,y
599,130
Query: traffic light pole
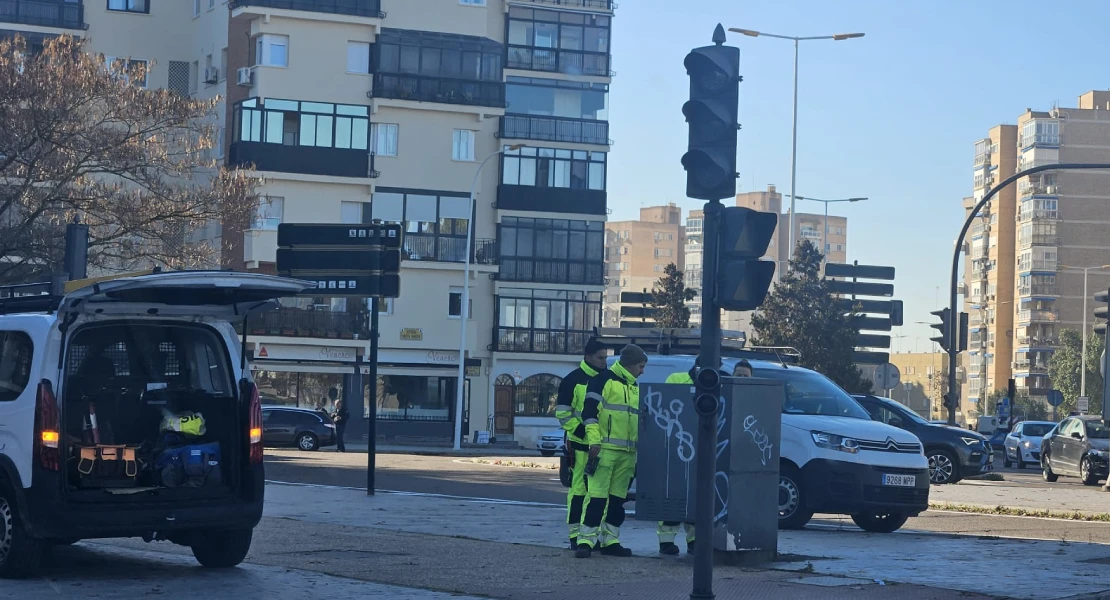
x,y
954,349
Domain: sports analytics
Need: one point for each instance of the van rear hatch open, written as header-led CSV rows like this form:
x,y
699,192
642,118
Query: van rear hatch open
x,y
151,403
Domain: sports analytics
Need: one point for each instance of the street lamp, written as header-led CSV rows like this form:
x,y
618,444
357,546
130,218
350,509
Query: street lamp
x,y
825,239
464,310
794,143
1083,351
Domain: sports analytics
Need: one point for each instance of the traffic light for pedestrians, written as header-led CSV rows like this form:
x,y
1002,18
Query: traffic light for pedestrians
x,y
742,278
710,161
944,328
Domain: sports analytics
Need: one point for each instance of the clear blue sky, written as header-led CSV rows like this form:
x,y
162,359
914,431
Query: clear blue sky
x,y
892,116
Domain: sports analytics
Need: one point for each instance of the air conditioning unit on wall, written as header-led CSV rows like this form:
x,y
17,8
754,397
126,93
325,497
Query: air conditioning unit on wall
x,y
246,76
211,75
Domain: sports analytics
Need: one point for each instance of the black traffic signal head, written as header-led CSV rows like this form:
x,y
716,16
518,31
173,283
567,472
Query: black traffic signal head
x,y
710,162
1102,312
743,279
950,401
944,327
961,346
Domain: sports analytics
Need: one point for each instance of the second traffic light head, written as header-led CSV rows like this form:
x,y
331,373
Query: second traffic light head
x,y
944,328
710,162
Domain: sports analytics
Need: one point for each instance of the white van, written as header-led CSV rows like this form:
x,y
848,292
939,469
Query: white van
x,y
96,389
834,458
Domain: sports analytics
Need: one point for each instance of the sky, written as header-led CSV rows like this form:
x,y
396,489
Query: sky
x,y
892,116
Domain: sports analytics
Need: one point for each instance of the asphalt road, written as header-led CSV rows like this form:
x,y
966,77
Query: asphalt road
x,y
462,477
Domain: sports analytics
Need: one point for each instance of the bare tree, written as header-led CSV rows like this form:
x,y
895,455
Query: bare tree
x,y
81,139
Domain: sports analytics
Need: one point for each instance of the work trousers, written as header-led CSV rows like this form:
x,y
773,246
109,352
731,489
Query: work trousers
x,y
607,490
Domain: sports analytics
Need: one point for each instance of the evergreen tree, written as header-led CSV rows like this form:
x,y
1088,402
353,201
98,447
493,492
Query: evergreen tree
x,y
801,312
669,296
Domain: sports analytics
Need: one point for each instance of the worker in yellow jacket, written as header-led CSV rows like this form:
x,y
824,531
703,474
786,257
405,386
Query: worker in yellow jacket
x,y
568,409
668,530
611,413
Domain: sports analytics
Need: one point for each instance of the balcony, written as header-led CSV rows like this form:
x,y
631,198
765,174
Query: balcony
x,y
554,129
1031,368
296,322
436,248
1038,316
551,199
1040,214
308,160
1036,342
354,8
1037,189
63,14
982,160
1044,266
1038,239
517,339
260,243
599,4
418,88
1050,291
552,60
548,270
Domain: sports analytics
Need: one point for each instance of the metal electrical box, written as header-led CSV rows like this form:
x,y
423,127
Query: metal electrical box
x,y
746,481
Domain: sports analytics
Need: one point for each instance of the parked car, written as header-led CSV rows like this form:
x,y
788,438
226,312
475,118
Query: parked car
x,y
833,457
552,443
1023,444
138,347
1078,448
301,428
953,453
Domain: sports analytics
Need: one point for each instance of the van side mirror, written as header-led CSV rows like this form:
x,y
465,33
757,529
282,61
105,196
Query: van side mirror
x,y
1077,435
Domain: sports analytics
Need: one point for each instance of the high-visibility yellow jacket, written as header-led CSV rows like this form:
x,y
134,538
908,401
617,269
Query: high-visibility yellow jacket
x,y
611,410
568,407
680,377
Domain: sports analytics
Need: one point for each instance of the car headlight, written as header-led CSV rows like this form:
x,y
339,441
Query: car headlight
x,y
970,441
1027,444
1101,454
831,441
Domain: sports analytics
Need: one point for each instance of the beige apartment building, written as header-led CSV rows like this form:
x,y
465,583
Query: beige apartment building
x,y
922,382
637,253
1026,252
386,109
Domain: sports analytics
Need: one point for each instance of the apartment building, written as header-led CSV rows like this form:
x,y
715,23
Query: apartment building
x,y
1024,280
922,382
387,110
637,253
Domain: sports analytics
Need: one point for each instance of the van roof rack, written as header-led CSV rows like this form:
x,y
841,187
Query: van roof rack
x,y
666,341
28,298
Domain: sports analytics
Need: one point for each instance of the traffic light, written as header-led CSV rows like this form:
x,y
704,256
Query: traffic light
x,y
944,327
950,401
743,279
710,162
1102,312
962,338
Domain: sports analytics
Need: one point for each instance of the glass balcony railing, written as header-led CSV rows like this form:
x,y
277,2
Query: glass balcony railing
x,y
1038,290
1037,265
543,341
1038,239
601,4
1038,316
554,129
1044,214
354,8
63,14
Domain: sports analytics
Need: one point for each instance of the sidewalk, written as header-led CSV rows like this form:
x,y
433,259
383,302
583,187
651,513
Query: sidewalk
x,y
526,539
1064,498
466,451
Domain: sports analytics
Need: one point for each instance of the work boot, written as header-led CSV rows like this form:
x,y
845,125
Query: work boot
x,y
616,550
583,551
574,543
690,547
668,548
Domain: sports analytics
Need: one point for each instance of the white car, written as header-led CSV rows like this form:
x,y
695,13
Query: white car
x,y
551,443
1023,444
834,457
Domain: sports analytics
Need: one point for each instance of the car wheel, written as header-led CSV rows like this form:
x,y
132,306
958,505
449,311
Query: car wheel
x,y
880,523
793,513
547,453
942,467
20,554
1046,470
1086,473
1006,458
307,441
221,549
1019,461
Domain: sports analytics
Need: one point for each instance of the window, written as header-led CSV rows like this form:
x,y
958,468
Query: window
x,y
552,250
437,55
473,2
196,8
211,4
1040,131
358,57
454,303
223,64
557,321
568,42
657,268
293,123
16,353
434,223
663,252
415,398
272,50
269,213
132,6
550,167
385,306
462,145
551,98
124,68
385,139
194,77
350,213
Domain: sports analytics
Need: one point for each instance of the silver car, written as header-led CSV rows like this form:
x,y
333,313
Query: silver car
x,y
1023,444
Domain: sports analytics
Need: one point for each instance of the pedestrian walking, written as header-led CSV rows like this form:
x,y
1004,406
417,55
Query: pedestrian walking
x,y
572,395
610,413
340,417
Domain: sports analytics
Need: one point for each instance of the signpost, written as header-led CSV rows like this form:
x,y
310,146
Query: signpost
x,y
1084,405
887,376
348,261
870,349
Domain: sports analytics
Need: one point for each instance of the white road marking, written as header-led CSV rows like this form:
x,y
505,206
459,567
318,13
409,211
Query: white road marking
x,y
424,494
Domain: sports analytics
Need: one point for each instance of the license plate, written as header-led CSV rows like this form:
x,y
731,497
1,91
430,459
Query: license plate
x,y
548,445
900,480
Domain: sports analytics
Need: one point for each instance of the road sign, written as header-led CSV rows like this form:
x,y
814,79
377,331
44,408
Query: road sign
x,y
384,286
1084,405
636,325
887,376
859,271
298,261
638,312
872,341
873,323
1055,398
860,288
882,307
326,235
862,357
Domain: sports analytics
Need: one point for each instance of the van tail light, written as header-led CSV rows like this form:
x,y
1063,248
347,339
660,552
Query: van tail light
x,y
48,431
254,431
